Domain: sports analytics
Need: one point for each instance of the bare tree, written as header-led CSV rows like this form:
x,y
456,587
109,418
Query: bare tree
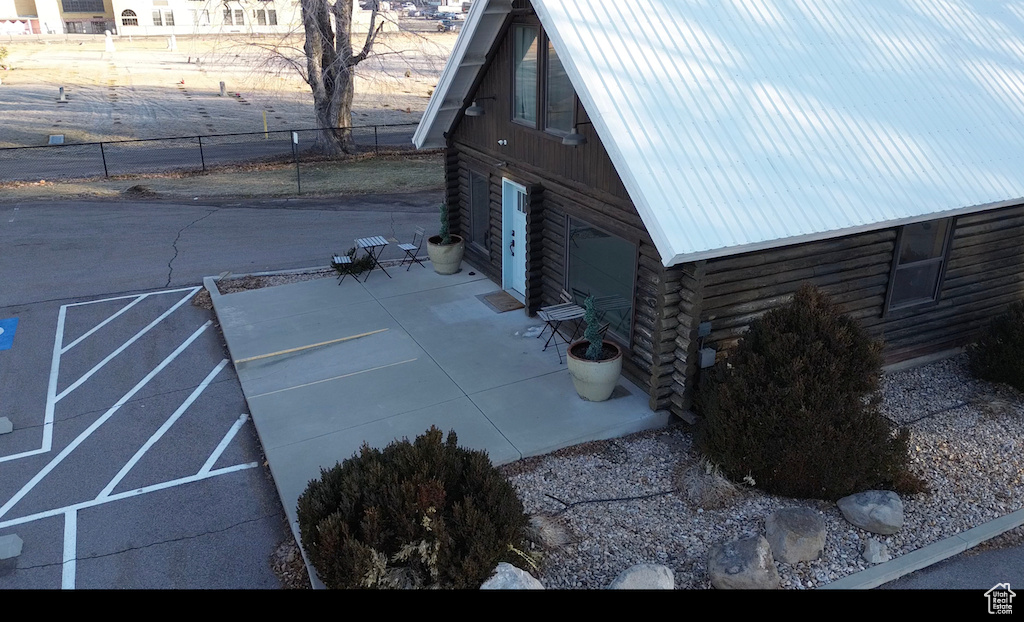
x,y
330,68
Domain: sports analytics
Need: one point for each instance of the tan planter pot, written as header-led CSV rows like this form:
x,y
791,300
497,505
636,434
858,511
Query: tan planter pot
x,y
446,258
594,380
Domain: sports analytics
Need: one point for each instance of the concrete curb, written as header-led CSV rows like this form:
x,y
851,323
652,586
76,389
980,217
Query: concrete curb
x,y
927,556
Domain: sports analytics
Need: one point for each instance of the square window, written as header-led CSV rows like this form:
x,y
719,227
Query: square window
x,y
919,264
524,77
603,266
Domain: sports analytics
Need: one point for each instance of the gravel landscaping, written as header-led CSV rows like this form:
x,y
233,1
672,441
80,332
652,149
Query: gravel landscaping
x,y
648,498
965,443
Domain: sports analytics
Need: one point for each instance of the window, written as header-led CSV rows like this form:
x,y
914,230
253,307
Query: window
x,y
524,80
559,98
261,17
919,263
73,27
479,211
603,266
239,17
168,18
555,105
129,18
272,17
82,6
157,19
227,17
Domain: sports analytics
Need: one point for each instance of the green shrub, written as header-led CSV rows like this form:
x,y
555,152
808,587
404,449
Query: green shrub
x,y
420,514
999,355
3,54
796,407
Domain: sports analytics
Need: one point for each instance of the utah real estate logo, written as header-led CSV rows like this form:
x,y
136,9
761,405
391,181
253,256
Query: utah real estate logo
x,y
1000,598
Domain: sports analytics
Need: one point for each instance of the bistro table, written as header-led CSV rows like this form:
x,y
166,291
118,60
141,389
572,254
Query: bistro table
x,y
373,246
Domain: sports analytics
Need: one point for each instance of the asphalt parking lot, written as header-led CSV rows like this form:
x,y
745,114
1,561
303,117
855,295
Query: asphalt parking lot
x,y
132,463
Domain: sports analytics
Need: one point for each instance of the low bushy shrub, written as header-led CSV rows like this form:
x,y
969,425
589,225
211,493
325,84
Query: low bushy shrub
x,y
796,407
420,514
999,355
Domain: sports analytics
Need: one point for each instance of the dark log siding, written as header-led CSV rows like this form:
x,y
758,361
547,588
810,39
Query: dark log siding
x,y
984,274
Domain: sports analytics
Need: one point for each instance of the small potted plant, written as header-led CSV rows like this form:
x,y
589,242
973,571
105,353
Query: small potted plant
x,y
594,364
444,249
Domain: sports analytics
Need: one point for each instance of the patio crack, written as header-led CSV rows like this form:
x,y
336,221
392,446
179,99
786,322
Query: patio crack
x,y
174,245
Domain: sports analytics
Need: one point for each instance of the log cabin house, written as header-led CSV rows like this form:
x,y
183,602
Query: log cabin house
x,y
702,160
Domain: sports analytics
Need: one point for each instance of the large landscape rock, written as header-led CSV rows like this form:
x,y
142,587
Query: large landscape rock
x,y
645,577
795,534
508,577
744,564
877,511
875,552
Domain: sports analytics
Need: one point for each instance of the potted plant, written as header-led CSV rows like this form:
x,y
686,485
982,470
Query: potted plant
x,y
444,249
594,364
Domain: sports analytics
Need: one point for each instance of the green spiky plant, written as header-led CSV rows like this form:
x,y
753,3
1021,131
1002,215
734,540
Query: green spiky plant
x,y
445,234
593,333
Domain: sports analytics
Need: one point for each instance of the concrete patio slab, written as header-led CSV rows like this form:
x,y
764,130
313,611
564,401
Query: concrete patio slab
x,y
276,304
542,414
426,351
294,415
478,348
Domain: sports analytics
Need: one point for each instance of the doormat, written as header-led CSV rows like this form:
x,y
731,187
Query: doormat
x,y
500,301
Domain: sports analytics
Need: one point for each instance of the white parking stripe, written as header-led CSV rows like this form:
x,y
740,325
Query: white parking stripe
x,y
21,520
103,323
121,349
166,291
212,460
161,431
96,424
67,581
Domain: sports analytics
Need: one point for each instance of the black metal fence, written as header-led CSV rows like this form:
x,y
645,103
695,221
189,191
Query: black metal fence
x,y
184,154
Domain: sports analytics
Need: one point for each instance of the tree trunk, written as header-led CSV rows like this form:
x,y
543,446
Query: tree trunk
x,y
331,70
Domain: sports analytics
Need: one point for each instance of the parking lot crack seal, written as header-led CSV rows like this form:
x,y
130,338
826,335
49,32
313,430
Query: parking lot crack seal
x,y
174,245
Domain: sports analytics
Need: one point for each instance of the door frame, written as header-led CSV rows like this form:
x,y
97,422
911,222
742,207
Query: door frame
x,y
509,189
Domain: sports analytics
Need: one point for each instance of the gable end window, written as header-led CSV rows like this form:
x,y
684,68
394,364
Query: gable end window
x,y
524,75
542,95
922,251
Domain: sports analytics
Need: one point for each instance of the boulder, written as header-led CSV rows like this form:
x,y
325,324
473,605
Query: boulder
x,y
508,577
5,425
645,577
796,534
875,552
877,511
743,564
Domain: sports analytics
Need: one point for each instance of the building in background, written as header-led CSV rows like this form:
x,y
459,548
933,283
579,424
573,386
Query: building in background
x,y
164,17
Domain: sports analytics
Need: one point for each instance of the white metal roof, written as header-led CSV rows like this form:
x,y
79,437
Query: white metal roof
x,y
748,124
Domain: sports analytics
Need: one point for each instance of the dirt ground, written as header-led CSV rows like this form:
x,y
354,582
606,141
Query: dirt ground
x,y
144,90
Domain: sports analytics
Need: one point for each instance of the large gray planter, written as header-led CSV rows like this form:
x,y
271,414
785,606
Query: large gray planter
x,y
446,258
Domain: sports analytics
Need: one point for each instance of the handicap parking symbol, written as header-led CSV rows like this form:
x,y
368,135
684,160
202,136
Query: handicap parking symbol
x,y
7,328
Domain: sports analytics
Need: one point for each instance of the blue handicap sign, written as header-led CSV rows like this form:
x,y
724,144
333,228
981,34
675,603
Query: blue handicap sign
x,y
7,332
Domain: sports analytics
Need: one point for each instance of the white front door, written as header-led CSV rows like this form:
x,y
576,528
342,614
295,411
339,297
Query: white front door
x,y
513,237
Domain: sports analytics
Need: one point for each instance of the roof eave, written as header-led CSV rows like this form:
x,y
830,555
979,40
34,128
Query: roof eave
x,y
483,25
716,253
